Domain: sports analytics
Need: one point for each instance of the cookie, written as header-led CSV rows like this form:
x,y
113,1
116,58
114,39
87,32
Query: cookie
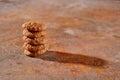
x,y
33,34
35,41
33,26
34,48
34,54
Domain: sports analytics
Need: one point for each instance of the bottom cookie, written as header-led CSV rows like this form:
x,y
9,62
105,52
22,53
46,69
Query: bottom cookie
x,y
34,54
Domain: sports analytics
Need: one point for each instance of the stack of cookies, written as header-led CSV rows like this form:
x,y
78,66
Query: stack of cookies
x,y
34,38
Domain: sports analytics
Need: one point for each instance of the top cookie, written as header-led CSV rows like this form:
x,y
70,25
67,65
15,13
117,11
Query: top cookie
x,y
33,26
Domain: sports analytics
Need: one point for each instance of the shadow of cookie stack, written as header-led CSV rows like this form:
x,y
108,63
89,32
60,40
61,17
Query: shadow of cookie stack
x,y
34,38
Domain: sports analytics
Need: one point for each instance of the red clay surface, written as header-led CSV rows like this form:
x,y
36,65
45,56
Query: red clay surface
x,y
84,39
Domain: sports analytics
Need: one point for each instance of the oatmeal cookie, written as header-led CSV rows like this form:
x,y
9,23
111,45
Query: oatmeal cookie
x,y
33,26
34,54
33,34
34,48
35,41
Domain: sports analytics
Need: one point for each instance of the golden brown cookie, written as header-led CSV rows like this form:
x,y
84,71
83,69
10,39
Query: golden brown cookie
x,y
34,48
33,34
35,41
33,26
34,54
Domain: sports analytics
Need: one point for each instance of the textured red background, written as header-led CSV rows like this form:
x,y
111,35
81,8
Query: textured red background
x,y
84,39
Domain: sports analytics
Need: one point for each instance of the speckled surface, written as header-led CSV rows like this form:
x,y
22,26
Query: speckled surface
x,y
84,39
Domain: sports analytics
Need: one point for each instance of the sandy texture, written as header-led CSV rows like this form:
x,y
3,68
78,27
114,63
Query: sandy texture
x,y
84,39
